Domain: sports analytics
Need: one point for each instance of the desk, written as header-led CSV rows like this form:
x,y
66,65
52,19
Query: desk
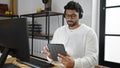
x,y
99,66
13,60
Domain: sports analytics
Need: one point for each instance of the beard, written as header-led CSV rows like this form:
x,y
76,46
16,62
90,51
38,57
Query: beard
x,y
71,23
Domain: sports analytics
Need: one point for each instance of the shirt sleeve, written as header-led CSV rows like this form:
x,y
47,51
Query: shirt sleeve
x,y
91,52
55,36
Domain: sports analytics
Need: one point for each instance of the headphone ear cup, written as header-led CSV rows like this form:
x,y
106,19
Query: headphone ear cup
x,y
44,1
81,12
64,14
80,15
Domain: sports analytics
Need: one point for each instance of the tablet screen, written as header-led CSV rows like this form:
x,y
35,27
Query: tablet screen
x,y
55,49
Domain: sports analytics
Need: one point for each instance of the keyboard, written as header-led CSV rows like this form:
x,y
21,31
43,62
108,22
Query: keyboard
x,y
36,63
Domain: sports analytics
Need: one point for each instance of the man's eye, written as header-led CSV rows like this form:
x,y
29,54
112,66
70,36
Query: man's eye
x,y
73,15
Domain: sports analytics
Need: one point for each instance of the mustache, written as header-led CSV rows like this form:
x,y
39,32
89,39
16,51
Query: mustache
x,y
69,21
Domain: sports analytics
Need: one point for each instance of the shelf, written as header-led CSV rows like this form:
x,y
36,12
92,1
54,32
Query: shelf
x,y
41,36
34,35
4,15
42,14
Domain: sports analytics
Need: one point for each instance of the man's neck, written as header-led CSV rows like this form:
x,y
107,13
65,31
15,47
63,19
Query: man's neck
x,y
74,27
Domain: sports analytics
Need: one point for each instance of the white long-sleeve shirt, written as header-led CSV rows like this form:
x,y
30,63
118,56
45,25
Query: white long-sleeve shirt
x,y
81,44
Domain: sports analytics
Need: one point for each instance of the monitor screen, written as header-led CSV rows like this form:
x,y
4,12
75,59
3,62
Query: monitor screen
x,y
13,35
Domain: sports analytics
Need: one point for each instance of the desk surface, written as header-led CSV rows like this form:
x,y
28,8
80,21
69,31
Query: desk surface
x,y
56,65
13,61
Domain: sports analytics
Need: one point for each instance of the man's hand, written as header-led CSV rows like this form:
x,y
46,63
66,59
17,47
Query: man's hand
x,y
67,60
47,52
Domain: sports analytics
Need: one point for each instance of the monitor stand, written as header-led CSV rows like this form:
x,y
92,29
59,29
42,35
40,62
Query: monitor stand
x,y
4,56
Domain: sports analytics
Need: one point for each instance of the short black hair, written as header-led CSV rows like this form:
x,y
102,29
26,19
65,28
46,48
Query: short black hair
x,y
74,6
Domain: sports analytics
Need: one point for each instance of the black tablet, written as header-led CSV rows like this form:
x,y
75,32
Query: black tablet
x,y
55,49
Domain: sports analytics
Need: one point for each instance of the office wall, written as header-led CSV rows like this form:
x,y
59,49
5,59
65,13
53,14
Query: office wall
x,y
95,15
29,6
90,7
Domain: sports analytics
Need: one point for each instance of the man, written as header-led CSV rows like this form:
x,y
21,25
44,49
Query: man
x,y
80,41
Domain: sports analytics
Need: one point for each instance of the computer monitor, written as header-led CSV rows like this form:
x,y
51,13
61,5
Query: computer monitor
x,y
14,39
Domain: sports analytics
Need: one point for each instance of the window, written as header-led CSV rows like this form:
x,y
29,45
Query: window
x,y
112,3
110,33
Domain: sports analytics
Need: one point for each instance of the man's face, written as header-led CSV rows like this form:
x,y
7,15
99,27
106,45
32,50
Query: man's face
x,y
72,17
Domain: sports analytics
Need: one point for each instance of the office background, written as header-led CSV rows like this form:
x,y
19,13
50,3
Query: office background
x,y
90,16
90,7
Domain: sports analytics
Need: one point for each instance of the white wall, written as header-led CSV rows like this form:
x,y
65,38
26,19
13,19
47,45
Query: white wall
x,y
90,7
95,15
29,6
4,1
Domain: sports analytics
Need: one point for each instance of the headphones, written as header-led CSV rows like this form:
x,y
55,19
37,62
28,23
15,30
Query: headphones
x,y
80,13
45,1
79,10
